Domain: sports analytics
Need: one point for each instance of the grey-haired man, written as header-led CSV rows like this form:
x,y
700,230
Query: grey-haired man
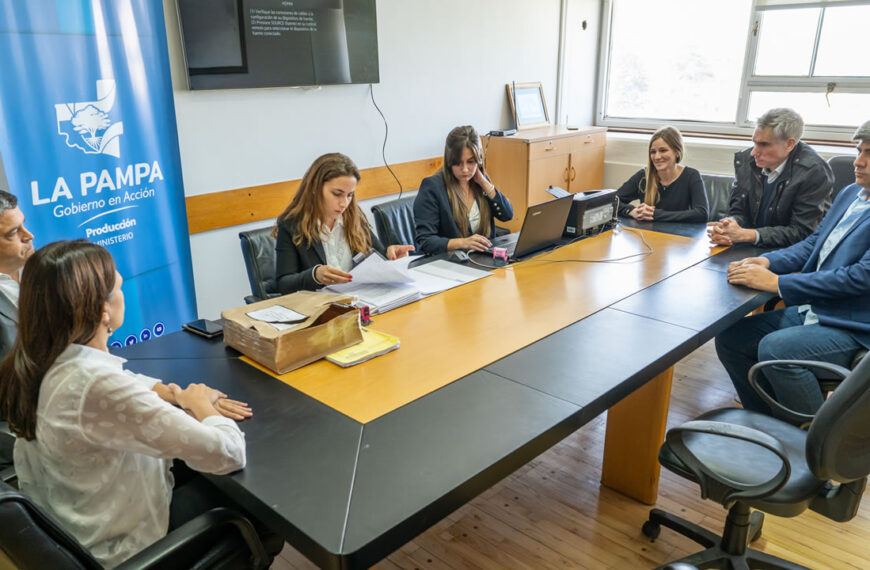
x,y
825,282
782,187
16,246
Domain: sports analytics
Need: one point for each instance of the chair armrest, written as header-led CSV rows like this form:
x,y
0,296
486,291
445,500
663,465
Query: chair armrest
x,y
160,553
788,414
251,299
725,490
8,475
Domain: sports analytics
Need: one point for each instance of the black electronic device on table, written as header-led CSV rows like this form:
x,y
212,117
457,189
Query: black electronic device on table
x,y
589,211
204,327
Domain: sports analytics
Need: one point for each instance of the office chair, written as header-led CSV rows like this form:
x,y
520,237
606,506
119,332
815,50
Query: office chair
x,y
218,539
394,221
746,460
258,249
7,443
844,172
718,189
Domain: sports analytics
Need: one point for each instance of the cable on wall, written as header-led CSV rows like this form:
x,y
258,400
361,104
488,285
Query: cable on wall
x,y
386,135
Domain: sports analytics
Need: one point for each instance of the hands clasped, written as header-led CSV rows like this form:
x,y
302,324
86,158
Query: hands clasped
x,y
643,213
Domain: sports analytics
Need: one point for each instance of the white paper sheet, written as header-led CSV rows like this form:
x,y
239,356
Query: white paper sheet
x,y
277,314
376,269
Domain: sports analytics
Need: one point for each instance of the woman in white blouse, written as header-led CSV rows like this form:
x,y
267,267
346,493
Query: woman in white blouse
x,y
95,442
323,228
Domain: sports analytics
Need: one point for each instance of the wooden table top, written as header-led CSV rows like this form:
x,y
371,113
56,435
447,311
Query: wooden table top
x,y
452,334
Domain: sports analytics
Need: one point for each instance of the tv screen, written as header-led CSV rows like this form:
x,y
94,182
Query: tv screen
x,y
231,44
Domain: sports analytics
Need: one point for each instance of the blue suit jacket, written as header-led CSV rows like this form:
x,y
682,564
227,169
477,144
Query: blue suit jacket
x,y
839,290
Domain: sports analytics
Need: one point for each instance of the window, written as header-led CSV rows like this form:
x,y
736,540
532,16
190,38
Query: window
x,y
716,65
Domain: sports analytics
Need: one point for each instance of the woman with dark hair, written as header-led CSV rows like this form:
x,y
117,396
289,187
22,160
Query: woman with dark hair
x,y
323,228
456,208
668,191
95,442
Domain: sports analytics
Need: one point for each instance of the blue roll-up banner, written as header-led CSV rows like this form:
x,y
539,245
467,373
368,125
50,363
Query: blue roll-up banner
x,y
89,144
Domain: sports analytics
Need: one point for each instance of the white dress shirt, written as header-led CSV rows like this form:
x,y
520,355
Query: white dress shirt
x,y
474,219
9,288
104,442
335,246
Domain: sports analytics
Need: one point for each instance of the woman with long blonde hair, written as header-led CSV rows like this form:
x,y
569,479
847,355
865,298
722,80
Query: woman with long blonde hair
x,y
667,190
456,208
323,228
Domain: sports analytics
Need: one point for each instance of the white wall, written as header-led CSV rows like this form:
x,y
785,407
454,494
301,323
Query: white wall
x,y
442,63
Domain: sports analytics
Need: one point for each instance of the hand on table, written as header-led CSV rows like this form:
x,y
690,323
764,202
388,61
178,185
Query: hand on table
x,y
753,272
643,213
474,242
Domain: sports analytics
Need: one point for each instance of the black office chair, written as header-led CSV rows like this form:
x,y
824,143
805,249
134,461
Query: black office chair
x,y
7,442
844,172
746,460
394,221
718,188
218,539
258,249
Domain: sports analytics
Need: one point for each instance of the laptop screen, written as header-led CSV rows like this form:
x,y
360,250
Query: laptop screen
x,y
543,225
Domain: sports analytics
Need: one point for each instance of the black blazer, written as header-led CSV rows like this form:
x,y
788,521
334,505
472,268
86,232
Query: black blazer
x,y
433,220
294,265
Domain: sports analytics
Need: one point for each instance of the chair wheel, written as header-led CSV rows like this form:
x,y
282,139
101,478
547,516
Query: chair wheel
x,y
756,522
651,530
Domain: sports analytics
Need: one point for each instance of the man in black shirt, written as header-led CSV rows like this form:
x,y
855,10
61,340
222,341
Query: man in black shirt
x,y
782,187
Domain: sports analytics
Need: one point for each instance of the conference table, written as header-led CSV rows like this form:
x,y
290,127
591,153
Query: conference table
x,y
349,464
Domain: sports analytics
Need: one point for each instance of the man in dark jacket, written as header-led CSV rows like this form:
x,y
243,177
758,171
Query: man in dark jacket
x,y
782,187
825,283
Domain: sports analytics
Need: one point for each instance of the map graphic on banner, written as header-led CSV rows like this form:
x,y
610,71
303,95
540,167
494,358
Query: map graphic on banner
x,y
88,143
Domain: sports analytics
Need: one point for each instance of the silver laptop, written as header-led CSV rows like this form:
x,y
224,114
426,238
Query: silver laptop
x,y
542,227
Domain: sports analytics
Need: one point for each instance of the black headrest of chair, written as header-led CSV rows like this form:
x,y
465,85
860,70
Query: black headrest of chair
x,y
844,172
258,249
394,221
838,442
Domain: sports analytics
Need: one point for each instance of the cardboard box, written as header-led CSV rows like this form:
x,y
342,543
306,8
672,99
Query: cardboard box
x,y
332,324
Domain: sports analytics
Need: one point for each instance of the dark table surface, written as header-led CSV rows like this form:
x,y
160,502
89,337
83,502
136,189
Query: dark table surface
x,y
347,494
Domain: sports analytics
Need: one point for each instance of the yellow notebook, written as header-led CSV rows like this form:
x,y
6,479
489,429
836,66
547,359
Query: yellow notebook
x,y
373,344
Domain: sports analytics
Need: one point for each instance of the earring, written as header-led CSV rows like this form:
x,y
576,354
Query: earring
x,y
109,330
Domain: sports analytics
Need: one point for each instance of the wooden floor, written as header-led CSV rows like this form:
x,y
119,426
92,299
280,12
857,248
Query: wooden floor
x,y
553,513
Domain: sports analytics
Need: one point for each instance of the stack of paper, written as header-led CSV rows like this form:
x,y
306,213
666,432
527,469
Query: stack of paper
x,y
374,344
385,285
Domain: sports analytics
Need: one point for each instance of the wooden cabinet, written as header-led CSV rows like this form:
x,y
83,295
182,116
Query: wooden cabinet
x,y
524,165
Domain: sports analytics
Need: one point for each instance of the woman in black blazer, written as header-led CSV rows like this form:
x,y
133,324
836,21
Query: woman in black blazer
x,y
323,228
456,208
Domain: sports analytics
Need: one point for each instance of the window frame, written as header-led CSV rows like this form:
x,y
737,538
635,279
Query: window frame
x,y
749,82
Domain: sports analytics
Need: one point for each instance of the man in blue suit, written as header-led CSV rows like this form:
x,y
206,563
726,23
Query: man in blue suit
x,y
825,283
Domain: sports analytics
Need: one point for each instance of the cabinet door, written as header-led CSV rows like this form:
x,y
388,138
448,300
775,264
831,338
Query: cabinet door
x,y
586,171
546,172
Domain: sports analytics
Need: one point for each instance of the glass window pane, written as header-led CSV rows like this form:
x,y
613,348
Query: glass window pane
x,y
842,43
785,41
663,65
846,109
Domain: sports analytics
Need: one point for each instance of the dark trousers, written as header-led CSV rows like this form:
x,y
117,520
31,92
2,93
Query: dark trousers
x,y
781,335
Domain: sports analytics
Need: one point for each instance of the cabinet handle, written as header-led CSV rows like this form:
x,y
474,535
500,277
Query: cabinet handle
x,y
573,174
549,146
565,175
588,139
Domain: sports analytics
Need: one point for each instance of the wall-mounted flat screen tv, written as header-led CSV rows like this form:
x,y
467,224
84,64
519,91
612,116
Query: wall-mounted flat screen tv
x,y
230,44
